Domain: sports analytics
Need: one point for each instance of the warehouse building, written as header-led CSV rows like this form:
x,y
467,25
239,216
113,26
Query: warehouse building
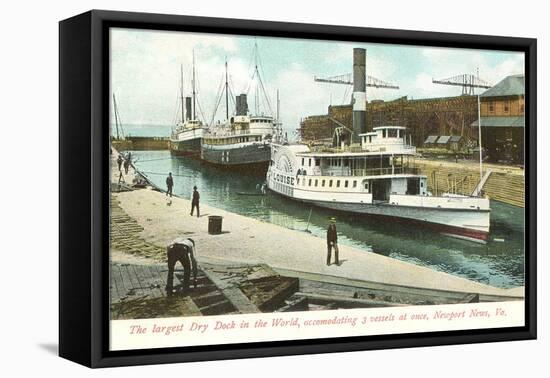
x,y
503,120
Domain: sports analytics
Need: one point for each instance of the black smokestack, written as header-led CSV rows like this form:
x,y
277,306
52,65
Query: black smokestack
x,y
242,104
188,108
359,99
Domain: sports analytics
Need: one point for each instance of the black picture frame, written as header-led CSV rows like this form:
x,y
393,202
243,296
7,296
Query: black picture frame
x,y
84,188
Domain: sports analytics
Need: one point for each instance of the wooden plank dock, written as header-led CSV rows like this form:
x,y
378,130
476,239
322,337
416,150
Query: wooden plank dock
x,y
137,291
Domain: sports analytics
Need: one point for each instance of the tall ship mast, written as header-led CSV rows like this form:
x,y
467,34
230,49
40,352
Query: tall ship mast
x,y
243,140
187,134
374,175
118,124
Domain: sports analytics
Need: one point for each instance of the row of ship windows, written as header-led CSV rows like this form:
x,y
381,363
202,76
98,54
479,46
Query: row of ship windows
x,y
332,162
315,183
231,140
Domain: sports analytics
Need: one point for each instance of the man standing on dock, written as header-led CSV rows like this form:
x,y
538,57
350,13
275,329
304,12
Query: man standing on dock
x,y
195,201
126,166
169,184
119,162
332,241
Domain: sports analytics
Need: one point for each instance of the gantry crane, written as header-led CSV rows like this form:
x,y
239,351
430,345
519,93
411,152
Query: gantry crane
x,y
467,81
347,79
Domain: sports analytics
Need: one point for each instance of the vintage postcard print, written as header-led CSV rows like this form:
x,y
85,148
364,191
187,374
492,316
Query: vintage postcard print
x,y
267,189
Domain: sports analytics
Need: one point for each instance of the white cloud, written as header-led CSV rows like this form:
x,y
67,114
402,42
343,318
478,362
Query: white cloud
x,y
145,71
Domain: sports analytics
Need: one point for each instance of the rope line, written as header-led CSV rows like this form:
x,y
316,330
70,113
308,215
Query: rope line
x,y
145,161
164,174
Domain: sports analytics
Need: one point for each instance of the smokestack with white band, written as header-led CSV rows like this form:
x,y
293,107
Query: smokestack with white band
x,y
359,98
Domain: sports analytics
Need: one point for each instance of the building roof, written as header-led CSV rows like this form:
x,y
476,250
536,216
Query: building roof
x,y
513,85
444,139
500,122
431,139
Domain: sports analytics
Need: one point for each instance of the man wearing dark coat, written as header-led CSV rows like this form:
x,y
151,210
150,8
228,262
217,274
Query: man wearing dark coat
x,y
169,184
195,201
126,166
119,162
332,241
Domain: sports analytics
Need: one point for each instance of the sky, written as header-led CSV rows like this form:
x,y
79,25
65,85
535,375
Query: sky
x,y
145,72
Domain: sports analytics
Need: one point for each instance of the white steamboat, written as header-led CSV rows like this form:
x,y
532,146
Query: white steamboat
x,y
376,178
243,141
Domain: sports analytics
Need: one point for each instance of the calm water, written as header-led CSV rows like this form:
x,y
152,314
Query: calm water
x,y
498,263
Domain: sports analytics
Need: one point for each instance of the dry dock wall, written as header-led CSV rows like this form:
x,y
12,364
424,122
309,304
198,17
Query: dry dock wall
x,y
141,143
505,184
424,117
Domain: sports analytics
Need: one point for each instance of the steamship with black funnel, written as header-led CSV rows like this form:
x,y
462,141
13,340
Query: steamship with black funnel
x,y
375,177
242,141
186,137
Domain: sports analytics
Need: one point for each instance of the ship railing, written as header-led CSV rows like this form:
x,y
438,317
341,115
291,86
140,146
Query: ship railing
x,y
336,149
226,133
397,148
230,133
385,171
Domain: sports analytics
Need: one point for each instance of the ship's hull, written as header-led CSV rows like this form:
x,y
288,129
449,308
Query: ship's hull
x,y
189,147
452,222
253,158
470,224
